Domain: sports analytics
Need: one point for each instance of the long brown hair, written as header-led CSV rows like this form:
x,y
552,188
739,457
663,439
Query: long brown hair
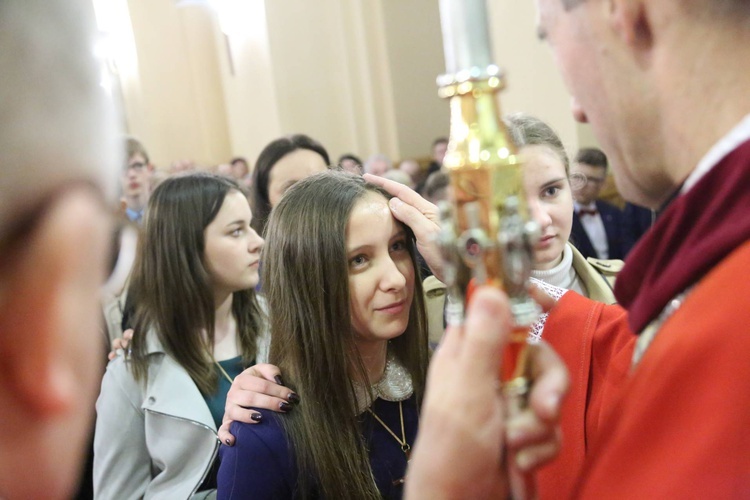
x,y
170,284
306,278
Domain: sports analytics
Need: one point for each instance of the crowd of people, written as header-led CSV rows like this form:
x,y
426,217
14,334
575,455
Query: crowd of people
x,y
277,341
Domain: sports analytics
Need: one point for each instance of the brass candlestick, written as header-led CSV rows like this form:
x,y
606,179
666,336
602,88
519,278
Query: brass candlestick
x,y
486,226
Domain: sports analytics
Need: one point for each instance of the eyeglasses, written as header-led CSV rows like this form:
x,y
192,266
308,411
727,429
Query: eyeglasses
x,y
579,180
137,166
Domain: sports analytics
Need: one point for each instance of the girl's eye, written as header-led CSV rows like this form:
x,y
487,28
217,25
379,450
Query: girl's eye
x,y
398,246
550,192
236,233
358,261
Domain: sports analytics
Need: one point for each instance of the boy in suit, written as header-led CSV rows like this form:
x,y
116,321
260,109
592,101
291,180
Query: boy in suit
x,y
597,225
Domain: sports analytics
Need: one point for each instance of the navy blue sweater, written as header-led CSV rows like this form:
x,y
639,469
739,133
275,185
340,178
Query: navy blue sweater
x,y
261,464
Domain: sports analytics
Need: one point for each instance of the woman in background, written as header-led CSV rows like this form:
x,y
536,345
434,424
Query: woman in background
x,y
197,324
283,162
549,194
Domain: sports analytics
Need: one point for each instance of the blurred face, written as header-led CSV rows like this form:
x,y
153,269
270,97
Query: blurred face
x,y
224,169
135,180
595,178
411,167
351,166
624,113
239,169
291,169
377,167
571,38
232,248
381,274
550,202
438,196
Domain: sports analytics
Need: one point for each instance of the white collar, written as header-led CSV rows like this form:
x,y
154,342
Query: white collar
x,y
395,385
562,275
578,206
739,134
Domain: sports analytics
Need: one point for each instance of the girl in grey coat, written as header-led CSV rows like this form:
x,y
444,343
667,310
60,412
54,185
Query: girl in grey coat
x,y
197,324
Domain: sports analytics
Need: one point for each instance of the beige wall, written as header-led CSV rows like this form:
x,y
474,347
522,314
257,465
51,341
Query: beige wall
x,y
325,57
586,137
249,86
415,57
180,111
359,75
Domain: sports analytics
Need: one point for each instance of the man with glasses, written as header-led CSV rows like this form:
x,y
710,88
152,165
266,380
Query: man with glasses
x,y
58,166
597,225
136,180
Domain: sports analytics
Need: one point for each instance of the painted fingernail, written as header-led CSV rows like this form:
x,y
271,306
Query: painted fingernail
x,y
294,398
278,380
285,406
228,442
256,417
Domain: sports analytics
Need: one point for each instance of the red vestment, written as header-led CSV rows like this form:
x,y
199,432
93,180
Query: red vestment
x,y
594,341
679,427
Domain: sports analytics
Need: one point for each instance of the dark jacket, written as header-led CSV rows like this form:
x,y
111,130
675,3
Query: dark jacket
x,y
613,226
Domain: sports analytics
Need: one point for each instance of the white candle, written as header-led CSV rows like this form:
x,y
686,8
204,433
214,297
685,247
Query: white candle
x,y
466,39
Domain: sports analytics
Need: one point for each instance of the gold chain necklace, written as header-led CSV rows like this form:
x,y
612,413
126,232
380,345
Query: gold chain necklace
x,y
404,445
223,372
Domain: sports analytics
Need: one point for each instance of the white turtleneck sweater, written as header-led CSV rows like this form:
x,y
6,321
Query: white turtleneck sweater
x,y
562,275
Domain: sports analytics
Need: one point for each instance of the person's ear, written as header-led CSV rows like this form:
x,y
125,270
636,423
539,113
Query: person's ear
x,y
49,287
631,22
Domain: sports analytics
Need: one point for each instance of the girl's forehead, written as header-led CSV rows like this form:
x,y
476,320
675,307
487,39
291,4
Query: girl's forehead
x,y
541,158
540,150
373,206
371,220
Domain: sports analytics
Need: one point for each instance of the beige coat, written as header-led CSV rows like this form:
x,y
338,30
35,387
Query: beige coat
x,y
597,275
434,299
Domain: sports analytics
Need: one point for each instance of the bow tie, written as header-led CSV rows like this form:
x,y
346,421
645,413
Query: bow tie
x,y
587,211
